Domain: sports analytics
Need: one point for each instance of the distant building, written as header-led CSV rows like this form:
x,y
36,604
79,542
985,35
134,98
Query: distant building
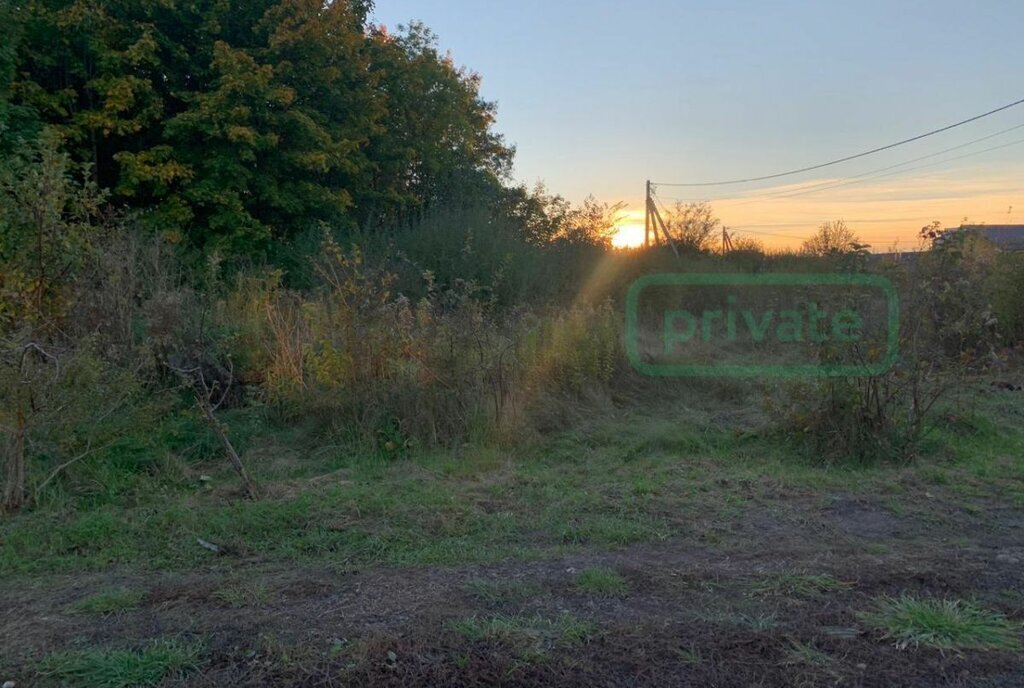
x,y
1004,237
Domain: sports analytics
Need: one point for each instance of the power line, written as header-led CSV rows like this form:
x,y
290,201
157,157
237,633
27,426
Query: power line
x,y
870,176
853,157
822,186
862,178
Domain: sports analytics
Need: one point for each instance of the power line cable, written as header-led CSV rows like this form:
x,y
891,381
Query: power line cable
x,y
831,183
863,178
858,180
852,157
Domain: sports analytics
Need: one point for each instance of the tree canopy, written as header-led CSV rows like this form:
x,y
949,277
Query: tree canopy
x,y
236,124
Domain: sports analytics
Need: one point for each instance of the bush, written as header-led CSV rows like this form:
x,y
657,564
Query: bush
x,y
947,332
1006,289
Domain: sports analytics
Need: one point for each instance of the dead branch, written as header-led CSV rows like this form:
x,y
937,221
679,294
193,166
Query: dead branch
x,y
194,378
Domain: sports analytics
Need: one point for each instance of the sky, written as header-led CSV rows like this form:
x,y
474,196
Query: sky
x,y
600,96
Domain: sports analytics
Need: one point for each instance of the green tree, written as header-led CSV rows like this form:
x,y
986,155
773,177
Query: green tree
x,y
17,123
47,218
436,142
240,125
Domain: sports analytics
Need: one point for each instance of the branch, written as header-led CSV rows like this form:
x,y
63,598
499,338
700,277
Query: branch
x,y
88,449
59,469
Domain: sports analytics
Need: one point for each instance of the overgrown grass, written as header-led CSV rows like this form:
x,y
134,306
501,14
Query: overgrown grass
x,y
109,602
614,480
108,668
601,581
942,624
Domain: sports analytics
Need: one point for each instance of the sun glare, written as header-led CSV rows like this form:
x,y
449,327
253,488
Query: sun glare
x,y
628,235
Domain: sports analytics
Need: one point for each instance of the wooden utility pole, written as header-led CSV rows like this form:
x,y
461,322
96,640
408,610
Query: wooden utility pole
x,y
647,215
726,241
653,221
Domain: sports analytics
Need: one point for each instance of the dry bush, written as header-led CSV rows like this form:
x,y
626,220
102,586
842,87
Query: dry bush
x,y
376,367
59,407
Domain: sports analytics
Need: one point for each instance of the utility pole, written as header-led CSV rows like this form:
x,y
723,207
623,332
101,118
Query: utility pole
x,y
647,215
653,222
726,241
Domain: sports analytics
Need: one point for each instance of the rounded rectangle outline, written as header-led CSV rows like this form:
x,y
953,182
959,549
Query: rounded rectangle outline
x,y
773,279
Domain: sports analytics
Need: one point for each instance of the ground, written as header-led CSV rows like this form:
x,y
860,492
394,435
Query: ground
x,y
670,544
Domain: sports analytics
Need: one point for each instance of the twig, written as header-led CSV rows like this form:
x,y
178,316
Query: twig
x,y
88,450
57,471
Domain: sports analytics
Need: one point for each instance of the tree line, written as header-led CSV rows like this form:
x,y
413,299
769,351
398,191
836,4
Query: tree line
x,y
236,126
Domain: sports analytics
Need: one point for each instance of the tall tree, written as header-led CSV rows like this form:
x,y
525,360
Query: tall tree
x,y
237,123
436,143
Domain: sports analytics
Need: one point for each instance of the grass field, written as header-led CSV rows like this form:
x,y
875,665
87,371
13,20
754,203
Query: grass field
x,y
670,542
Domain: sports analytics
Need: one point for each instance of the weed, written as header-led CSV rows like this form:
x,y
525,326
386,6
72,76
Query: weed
x,y
104,668
942,624
535,633
805,654
690,656
502,592
241,595
759,623
793,585
601,581
109,602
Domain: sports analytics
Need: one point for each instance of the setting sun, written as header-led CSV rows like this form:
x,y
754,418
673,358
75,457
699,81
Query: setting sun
x,y
628,236
629,230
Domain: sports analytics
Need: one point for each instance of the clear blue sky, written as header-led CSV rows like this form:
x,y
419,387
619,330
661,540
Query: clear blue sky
x,y
600,95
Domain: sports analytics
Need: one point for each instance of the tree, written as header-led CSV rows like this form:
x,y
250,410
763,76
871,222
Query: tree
x,y
693,225
17,123
833,238
592,223
537,214
435,143
47,218
238,126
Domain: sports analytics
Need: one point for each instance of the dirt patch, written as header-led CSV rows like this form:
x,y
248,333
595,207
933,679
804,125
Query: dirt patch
x,y
865,520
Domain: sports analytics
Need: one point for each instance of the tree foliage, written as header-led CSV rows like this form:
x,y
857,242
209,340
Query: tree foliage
x,y
238,124
833,238
693,225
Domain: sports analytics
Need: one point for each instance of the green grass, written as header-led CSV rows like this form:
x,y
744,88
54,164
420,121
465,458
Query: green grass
x,y
795,585
109,602
502,592
242,595
942,624
601,581
620,479
96,668
536,633
806,655
758,622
